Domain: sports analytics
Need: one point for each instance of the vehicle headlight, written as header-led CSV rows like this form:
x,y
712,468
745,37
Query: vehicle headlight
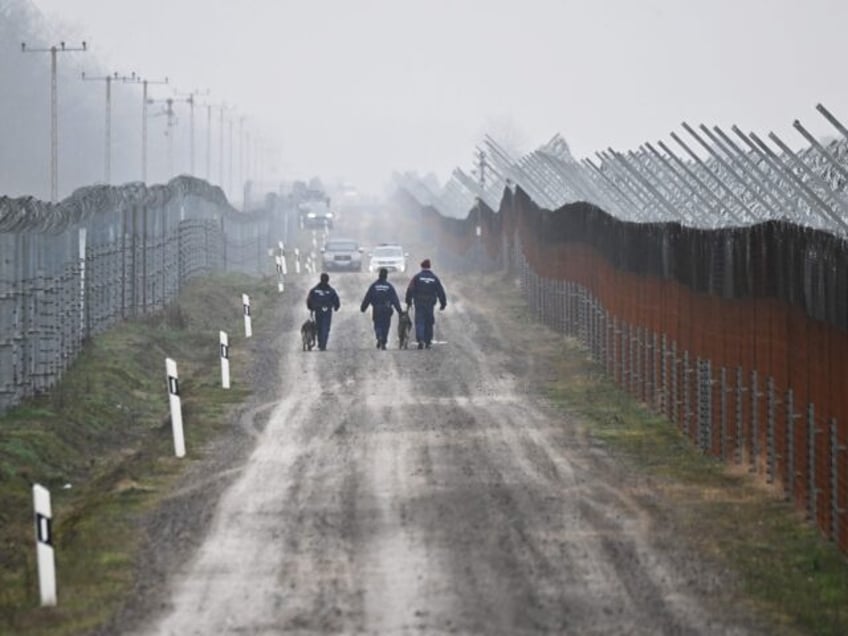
x,y
329,215
311,215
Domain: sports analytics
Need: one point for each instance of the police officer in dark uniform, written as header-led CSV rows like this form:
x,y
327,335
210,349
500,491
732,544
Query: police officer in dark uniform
x,y
423,291
323,300
382,297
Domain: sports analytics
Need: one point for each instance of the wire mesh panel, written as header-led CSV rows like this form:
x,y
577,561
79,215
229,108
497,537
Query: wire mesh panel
x,y
71,270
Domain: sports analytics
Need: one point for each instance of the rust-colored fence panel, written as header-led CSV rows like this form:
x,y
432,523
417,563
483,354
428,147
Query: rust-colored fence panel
x,y
739,336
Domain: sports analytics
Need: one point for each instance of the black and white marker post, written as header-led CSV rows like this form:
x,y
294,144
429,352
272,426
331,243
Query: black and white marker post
x,y
176,407
281,286
44,545
248,327
282,269
225,360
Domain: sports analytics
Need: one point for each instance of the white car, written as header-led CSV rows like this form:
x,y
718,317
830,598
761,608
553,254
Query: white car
x,y
388,255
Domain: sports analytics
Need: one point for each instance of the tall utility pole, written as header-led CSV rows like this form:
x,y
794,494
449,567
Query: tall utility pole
x,y
230,171
169,130
241,157
144,100
54,110
191,101
257,160
209,142
221,109
107,170
248,192
209,108
248,167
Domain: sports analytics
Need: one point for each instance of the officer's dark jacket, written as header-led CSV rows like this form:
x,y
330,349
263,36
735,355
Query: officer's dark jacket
x,y
381,295
424,289
322,297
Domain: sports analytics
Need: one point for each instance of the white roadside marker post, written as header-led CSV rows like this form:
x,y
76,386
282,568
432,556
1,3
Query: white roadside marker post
x,y
282,267
44,545
176,407
281,285
225,360
297,260
248,327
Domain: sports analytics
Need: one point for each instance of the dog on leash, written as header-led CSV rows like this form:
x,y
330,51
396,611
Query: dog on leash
x,y
404,327
309,333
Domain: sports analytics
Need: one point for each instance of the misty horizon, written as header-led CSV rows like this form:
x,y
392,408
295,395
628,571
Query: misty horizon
x,y
353,93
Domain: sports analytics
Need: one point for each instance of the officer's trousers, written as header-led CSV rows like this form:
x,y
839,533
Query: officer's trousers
x,y
323,318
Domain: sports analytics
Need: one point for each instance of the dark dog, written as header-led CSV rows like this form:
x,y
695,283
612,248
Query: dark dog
x,y
308,333
404,327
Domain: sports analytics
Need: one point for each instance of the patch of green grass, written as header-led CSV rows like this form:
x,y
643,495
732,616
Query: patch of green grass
x,y
785,565
786,569
101,442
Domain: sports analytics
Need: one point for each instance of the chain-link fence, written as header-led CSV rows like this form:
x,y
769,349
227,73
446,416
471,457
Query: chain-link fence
x,y
71,270
739,336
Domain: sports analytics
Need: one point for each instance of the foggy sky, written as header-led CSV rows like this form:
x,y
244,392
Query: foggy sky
x,y
358,88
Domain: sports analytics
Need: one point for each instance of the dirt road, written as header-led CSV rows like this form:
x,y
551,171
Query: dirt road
x,y
430,491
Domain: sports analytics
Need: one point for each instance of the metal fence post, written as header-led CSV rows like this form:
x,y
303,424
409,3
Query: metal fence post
x,y
664,379
835,511
702,397
675,386
686,378
624,337
723,405
812,508
771,458
657,358
632,362
561,304
687,396
755,422
740,422
789,486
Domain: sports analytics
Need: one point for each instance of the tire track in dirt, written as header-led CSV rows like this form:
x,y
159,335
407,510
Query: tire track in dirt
x,y
427,492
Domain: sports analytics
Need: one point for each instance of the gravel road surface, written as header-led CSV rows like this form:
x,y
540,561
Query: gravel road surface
x,y
434,491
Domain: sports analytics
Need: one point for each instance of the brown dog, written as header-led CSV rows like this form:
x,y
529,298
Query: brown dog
x,y
404,327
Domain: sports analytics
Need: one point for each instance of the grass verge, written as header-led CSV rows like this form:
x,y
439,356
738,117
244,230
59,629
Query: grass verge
x,y
785,569
101,442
